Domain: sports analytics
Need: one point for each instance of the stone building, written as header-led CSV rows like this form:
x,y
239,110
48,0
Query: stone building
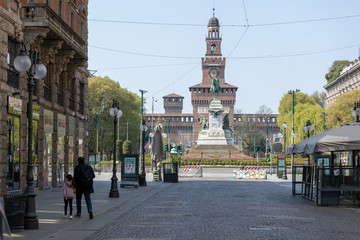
x,y
179,125
58,29
184,128
348,80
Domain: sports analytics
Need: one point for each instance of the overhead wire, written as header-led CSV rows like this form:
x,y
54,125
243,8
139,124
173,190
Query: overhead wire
x,y
148,66
225,25
297,54
229,57
171,83
246,26
140,54
242,36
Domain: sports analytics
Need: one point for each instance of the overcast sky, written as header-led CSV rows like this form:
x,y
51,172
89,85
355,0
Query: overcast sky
x,y
271,46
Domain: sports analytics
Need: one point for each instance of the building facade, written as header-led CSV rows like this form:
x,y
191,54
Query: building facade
x,y
348,80
58,29
184,128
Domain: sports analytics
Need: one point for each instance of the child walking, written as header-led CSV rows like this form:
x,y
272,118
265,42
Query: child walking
x,y
68,193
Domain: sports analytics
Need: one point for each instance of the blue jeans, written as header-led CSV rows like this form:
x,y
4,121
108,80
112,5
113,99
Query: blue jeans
x,y
87,200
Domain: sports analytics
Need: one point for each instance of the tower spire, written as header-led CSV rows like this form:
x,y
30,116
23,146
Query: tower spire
x,y
213,11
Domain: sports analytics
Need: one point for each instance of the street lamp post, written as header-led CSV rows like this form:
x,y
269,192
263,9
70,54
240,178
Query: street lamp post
x,y
284,177
152,126
293,135
97,113
142,177
267,137
144,129
308,128
116,113
168,139
323,114
35,70
152,117
97,131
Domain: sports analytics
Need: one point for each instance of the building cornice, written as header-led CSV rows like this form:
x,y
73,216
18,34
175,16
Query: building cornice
x,y
355,67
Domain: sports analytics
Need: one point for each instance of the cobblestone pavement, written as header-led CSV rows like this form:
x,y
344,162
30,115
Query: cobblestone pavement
x,y
214,207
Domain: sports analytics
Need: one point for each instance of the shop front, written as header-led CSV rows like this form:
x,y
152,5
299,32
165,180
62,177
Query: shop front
x,y
13,143
48,147
71,145
35,142
61,132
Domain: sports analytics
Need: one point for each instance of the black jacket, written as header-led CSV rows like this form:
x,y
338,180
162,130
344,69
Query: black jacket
x,y
78,172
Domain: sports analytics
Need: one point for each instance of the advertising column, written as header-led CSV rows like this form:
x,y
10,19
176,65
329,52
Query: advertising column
x,y
71,144
61,130
48,130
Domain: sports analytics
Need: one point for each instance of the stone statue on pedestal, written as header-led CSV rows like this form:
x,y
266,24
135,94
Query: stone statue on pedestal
x,y
226,122
204,122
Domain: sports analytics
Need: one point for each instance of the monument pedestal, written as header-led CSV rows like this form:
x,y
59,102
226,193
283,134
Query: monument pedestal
x,y
215,135
228,136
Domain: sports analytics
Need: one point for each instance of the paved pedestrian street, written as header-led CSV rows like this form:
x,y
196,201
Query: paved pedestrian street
x,y
205,208
214,206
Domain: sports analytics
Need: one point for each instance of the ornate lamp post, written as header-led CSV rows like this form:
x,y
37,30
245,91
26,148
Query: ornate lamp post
x,y
142,180
143,129
308,128
284,177
35,70
116,113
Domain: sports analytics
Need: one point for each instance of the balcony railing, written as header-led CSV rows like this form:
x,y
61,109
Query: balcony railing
x,y
46,17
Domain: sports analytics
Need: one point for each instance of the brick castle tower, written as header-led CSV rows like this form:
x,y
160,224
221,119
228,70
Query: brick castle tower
x,y
213,63
173,103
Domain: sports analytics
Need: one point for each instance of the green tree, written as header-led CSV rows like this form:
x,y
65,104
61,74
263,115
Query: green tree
x,y
119,149
305,108
335,70
319,98
102,91
250,133
127,147
339,112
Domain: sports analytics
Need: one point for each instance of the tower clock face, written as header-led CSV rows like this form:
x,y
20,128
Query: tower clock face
x,y
213,72
213,48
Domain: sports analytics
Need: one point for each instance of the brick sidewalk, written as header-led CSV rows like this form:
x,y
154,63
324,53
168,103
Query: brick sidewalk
x,y
222,208
53,225
50,208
